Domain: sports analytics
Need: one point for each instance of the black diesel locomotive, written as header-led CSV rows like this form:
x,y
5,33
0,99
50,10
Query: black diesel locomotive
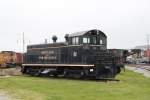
x,y
82,55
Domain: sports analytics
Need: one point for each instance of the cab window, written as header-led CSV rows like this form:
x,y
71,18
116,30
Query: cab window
x,y
75,40
86,40
94,40
101,41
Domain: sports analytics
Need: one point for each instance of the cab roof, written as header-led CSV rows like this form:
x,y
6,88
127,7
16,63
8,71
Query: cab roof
x,y
88,32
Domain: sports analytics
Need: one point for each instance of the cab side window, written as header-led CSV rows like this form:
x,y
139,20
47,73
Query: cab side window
x,y
101,41
86,40
75,40
94,40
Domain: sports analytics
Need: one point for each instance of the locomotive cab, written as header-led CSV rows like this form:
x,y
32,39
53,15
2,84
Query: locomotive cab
x,y
84,46
90,47
88,38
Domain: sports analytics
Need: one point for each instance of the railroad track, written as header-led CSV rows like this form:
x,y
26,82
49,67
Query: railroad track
x,y
141,66
144,67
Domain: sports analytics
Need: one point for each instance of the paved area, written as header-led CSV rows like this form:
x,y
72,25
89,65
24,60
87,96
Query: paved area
x,y
140,69
3,96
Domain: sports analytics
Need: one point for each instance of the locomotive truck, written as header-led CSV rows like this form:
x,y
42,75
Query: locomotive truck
x,y
82,55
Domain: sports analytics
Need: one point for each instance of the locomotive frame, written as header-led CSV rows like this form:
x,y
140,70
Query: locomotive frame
x,y
82,55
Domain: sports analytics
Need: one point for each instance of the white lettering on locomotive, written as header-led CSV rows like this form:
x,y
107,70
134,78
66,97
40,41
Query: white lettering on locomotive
x,y
47,52
47,57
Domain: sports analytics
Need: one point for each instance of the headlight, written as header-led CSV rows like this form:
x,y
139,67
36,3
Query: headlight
x,y
91,70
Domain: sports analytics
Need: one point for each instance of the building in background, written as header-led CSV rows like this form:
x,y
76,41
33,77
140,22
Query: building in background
x,y
120,55
140,54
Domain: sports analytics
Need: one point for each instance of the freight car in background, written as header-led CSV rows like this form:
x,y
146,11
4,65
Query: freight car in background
x,y
10,59
120,55
83,54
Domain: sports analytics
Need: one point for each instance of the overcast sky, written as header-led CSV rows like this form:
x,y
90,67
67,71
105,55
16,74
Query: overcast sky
x,y
125,22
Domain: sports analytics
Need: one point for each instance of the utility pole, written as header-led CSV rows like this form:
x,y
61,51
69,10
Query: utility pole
x,y
45,41
148,48
23,44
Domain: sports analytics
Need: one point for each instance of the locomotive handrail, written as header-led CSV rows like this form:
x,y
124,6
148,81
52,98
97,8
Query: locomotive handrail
x,y
55,65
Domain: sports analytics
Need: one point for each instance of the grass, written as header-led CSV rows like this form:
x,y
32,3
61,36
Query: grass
x,y
132,86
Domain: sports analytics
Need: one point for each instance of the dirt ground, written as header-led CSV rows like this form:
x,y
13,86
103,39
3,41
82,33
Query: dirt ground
x,y
3,96
10,71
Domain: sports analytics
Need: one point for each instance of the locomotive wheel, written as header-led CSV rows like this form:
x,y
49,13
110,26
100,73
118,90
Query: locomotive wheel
x,y
78,76
118,70
68,74
109,73
55,74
